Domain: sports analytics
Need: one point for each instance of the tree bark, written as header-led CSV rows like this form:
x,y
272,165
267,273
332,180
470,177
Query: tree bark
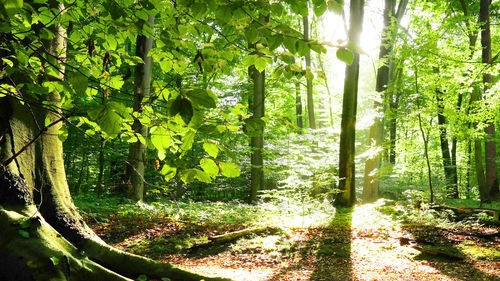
x,y
491,173
137,151
449,173
298,105
257,141
347,189
98,186
309,86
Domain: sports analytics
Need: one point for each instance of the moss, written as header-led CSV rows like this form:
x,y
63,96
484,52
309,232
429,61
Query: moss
x,y
479,252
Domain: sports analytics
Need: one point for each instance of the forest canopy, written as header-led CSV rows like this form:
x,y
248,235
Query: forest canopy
x,y
215,120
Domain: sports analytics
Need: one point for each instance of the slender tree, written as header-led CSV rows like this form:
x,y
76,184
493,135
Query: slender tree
x,y
137,151
298,104
257,139
491,190
309,85
450,172
392,15
347,195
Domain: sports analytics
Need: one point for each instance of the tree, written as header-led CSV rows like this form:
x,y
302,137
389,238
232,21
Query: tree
x,y
257,137
392,17
298,104
309,85
137,152
491,189
347,195
43,237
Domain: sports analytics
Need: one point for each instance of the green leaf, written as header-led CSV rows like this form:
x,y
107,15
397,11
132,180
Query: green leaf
x,y
62,133
142,278
12,6
251,34
110,122
187,140
202,98
25,223
274,41
55,260
182,107
79,82
290,44
319,7
24,233
161,140
188,175
166,65
229,169
261,64
211,148
166,279
210,167
317,47
254,126
168,172
345,56
302,48
202,176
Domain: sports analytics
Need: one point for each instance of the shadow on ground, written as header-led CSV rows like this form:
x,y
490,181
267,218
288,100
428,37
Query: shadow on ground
x,y
327,253
443,253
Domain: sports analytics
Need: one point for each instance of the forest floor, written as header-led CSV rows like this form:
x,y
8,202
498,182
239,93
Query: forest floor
x,y
367,242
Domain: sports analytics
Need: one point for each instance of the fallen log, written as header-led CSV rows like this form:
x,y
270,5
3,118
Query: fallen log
x,y
231,236
469,211
445,252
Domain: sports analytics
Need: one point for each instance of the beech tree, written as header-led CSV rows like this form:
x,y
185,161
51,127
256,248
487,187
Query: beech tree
x,y
490,190
137,154
347,195
393,12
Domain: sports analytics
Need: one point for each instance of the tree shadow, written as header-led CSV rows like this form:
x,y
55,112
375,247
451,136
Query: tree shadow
x,y
327,253
333,257
442,253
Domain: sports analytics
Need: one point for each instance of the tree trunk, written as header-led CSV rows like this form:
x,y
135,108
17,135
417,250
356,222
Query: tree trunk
x,y
137,152
257,141
51,242
393,122
98,186
376,133
347,188
425,140
298,105
491,172
449,173
309,86
330,110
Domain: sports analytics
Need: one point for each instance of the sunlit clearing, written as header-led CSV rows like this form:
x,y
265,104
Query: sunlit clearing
x,y
296,214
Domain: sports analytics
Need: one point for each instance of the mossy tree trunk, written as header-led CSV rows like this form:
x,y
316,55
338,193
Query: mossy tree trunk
x,y
42,235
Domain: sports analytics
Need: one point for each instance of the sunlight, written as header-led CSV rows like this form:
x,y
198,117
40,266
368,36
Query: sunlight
x,y
335,69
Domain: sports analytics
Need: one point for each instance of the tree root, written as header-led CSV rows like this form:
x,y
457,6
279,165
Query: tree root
x,y
31,249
